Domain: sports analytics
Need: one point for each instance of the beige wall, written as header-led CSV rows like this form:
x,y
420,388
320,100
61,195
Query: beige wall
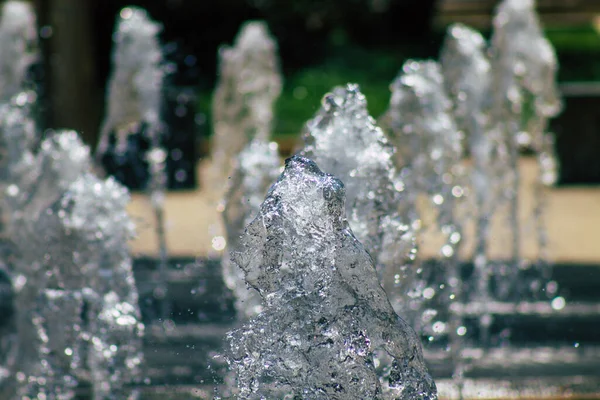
x,y
572,216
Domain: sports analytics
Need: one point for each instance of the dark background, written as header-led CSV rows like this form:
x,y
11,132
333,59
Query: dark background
x,y
322,43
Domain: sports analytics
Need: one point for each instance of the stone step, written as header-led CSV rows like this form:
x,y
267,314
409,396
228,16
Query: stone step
x,y
182,353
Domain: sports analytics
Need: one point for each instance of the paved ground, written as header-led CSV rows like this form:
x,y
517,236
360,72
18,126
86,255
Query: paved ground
x,y
572,217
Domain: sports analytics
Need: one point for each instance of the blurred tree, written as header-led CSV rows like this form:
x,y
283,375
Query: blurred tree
x,y
73,96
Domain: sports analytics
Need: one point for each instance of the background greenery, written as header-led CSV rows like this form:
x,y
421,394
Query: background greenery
x,y
375,68
326,43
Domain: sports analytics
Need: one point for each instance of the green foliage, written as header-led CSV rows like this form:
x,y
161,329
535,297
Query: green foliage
x,y
374,69
304,89
578,52
303,92
583,39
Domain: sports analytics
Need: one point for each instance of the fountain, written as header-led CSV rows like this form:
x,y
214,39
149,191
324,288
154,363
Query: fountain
x,y
19,49
321,294
133,101
19,52
523,68
257,167
69,230
76,305
429,152
249,84
325,265
376,193
508,109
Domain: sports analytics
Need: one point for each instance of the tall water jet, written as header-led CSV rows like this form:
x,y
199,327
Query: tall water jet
x,y
503,102
242,116
18,49
466,71
70,232
18,138
468,80
256,169
134,103
430,150
94,214
43,276
18,52
345,141
326,319
525,96
249,84
7,331
503,98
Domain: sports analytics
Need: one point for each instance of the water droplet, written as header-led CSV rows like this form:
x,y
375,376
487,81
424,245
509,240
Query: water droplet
x,y
558,303
428,293
126,13
447,251
46,32
219,243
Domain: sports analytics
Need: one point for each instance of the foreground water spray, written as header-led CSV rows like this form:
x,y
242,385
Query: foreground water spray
x,y
327,329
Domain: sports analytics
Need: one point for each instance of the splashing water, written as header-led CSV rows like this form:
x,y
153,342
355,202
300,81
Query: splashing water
x,y
525,96
18,50
17,140
325,328
258,166
344,140
430,149
17,172
36,239
503,97
94,211
466,70
468,80
134,101
134,89
325,314
503,102
53,354
69,232
249,84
